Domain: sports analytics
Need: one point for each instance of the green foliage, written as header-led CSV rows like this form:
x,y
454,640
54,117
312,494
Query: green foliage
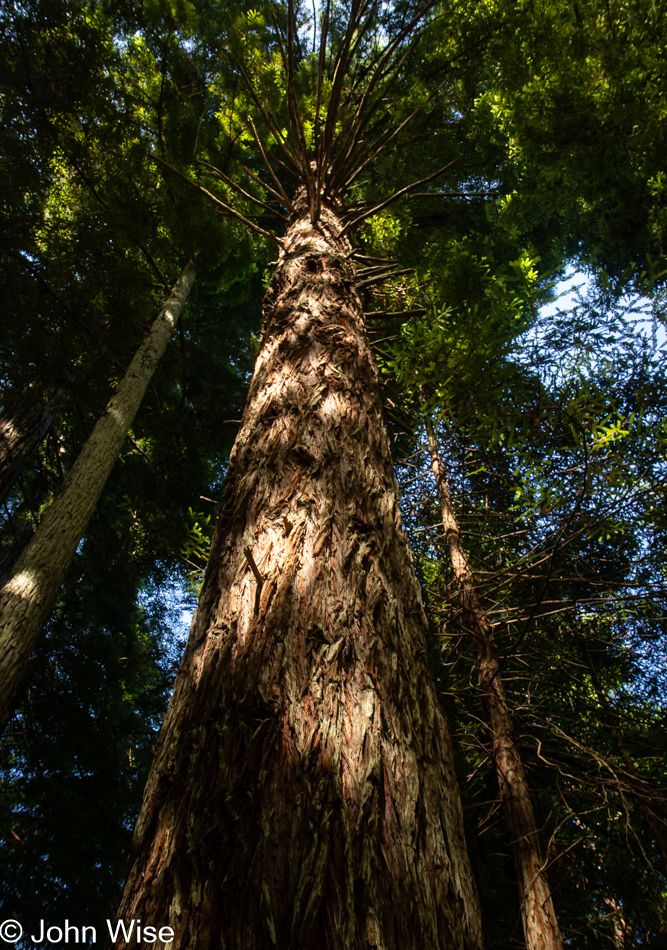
x,y
474,317
581,98
558,486
75,758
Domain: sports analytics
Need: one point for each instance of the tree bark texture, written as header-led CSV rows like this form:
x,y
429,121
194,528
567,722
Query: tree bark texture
x,y
303,795
540,924
22,427
27,598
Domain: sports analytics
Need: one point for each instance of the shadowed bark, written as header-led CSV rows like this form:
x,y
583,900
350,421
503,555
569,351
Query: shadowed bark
x,y
303,793
540,924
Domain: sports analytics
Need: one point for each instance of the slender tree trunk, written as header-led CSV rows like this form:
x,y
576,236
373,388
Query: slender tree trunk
x,y
27,598
303,795
540,925
22,427
619,923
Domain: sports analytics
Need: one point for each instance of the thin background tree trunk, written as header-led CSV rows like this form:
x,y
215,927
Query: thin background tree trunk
x,y
22,427
26,600
303,794
540,924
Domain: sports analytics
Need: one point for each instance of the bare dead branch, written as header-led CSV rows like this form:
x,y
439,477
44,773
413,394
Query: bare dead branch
x,y
318,104
221,204
382,143
269,167
268,118
361,284
392,315
246,194
397,194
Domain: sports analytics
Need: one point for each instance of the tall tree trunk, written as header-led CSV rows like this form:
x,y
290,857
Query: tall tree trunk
x,y
27,598
303,793
23,426
540,925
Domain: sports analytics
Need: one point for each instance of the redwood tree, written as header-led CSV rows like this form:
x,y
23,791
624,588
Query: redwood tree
x,y
303,792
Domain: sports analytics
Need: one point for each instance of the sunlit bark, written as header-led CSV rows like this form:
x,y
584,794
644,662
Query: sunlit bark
x,y
540,924
303,794
27,598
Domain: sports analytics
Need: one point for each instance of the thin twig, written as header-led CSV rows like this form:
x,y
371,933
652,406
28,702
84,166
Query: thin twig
x,y
269,119
268,166
258,577
391,315
385,276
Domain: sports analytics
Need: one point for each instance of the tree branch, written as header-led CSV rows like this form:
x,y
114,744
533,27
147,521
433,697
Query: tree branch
x,y
397,194
268,166
227,208
246,194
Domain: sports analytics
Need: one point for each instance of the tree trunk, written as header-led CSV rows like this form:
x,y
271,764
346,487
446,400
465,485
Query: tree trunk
x,y
540,925
303,793
22,427
27,598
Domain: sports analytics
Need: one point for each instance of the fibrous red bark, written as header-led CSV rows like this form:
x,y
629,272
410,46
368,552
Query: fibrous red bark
x,y
303,794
